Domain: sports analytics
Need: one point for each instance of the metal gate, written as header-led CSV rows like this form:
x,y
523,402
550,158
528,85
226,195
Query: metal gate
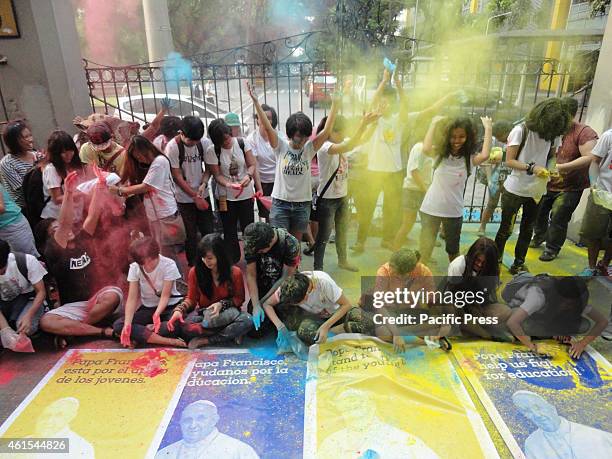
x,y
293,74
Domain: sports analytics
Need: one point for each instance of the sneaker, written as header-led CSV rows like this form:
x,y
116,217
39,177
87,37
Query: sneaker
x,y
603,270
548,256
518,268
589,272
309,250
535,243
358,247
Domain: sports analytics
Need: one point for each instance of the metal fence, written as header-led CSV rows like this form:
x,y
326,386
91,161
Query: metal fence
x,y
288,78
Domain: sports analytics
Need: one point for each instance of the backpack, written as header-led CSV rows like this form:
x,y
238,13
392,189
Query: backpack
x,y
35,200
525,278
218,150
181,149
22,265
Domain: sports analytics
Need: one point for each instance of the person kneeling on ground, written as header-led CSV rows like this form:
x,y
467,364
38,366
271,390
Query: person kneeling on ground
x,y
152,278
214,299
545,306
404,271
272,255
86,301
322,304
478,271
22,290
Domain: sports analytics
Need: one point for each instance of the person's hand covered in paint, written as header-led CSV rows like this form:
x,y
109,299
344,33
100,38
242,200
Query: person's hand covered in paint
x,y
541,172
577,348
167,104
386,75
282,339
399,345
24,324
258,316
100,175
156,322
245,181
126,333
250,91
321,335
371,117
487,122
176,316
70,182
215,309
200,203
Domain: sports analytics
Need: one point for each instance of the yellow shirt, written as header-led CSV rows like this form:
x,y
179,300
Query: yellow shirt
x,y
89,154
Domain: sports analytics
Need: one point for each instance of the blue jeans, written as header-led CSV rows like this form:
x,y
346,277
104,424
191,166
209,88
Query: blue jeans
x,y
293,216
15,309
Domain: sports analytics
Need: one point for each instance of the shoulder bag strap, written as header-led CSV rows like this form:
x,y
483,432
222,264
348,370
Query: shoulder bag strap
x,y
331,179
148,279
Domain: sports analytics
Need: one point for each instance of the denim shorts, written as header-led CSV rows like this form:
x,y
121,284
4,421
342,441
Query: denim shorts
x,y
293,216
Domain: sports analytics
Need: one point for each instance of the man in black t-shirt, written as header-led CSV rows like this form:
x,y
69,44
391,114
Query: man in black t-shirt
x,y
86,299
272,255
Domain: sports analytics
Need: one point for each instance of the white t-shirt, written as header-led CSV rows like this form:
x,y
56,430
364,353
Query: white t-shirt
x,y
421,162
385,147
531,298
12,282
166,270
292,179
603,150
444,198
535,150
50,179
327,166
266,159
324,296
457,267
160,178
227,157
192,169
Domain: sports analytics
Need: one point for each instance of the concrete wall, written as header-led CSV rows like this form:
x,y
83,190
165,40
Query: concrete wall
x,y
44,79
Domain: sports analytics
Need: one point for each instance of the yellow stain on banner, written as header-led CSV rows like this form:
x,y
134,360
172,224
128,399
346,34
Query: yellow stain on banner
x,y
107,403
371,400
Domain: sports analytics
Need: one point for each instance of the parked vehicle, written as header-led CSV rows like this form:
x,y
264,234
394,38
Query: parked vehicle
x,y
319,88
144,107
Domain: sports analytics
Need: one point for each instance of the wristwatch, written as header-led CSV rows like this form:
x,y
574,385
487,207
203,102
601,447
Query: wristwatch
x,y
530,167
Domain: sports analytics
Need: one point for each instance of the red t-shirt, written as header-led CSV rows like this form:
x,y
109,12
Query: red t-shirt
x,y
220,292
576,180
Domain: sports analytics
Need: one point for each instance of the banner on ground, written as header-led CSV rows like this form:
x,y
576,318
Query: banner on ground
x,y
166,403
363,400
553,407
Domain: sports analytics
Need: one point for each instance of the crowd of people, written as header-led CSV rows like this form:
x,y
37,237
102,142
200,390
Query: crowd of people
x,y
151,237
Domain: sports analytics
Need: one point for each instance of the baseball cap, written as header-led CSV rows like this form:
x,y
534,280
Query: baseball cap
x,y
232,120
100,136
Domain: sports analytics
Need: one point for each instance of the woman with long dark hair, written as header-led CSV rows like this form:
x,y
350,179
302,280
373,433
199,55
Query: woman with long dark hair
x,y
454,153
233,167
210,313
21,158
478,272
147,172
62,158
